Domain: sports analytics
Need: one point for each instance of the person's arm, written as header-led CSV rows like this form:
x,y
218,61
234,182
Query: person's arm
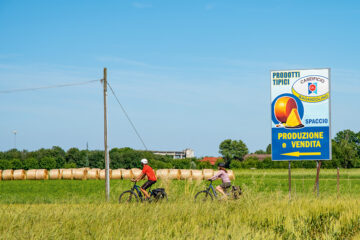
x,y
141,176
216,176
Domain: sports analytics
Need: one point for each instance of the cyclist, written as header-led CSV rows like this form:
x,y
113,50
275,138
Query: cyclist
x,y
226,183
149,172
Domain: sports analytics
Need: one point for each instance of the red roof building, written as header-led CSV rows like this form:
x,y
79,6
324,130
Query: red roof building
x,y
211,160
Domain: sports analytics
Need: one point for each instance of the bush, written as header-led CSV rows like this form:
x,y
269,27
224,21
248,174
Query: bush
x,y
16,164
156,164
70,165
235,164
251,162
204,165
266,163
47,163
60,161
5,164
181,163
31,163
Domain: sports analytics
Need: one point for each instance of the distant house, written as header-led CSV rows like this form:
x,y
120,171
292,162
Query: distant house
x,y
261,157
211,160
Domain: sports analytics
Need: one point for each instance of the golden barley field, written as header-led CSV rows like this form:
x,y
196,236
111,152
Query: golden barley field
x,y
62,209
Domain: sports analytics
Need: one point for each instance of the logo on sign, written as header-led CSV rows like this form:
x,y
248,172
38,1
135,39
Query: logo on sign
x,y
312,87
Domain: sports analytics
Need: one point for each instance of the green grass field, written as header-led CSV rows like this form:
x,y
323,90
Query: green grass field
x,y
63,209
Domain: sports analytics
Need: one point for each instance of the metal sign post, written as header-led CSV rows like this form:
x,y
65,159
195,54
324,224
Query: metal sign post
x,y
316,187
289,180
338,182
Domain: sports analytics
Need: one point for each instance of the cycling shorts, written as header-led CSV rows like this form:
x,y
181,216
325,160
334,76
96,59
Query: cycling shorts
x,y
225,185
147,184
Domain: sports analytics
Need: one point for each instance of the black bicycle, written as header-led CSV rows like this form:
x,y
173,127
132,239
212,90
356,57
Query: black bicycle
x,y
135,195
210,193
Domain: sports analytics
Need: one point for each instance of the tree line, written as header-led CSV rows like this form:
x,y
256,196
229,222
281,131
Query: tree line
x,y
56,157
345,154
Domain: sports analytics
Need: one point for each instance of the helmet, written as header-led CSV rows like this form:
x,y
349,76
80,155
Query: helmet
x,y
221,164
144,161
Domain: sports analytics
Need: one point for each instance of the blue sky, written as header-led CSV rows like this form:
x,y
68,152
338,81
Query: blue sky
x,y
190,73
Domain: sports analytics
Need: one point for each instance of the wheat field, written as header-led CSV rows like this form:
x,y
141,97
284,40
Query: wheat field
x,y
63,209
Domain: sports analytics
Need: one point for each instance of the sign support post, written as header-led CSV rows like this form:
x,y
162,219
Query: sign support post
x,y
318,165
338,182
289,180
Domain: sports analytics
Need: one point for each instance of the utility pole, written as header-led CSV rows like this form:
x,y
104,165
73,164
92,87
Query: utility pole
x,y
106,152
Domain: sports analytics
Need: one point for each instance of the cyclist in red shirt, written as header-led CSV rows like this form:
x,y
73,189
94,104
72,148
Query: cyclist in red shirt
x,y
149,172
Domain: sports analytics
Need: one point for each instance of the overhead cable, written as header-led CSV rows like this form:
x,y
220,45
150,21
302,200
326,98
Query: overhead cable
x,y
47,87
127,116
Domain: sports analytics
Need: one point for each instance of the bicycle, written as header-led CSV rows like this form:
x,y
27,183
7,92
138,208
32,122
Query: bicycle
x,y
135,195
210,193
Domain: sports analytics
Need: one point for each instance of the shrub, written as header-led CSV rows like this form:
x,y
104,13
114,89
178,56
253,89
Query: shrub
x,y
204,165
235,164
266,163
31,163
70,165
5,164
47,163
156,164
181,163
60,161
16,164
251,162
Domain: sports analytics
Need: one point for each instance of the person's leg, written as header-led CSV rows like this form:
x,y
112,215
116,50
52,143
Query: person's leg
x,y
146,186
219,188
145,192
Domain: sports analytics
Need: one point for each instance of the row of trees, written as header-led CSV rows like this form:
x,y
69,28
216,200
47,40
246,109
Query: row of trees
x,y
345,154
56,157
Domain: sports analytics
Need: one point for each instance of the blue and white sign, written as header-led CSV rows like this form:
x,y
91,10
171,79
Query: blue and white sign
x,y
300,113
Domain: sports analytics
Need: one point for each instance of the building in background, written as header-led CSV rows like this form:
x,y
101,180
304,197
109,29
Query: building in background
x,y
187,153
211,160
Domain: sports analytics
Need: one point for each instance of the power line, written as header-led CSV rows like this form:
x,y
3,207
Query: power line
x,y
47,87
128,118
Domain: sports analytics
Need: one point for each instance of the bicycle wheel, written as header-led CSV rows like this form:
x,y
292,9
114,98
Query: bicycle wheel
x,y
236,193
159,197
203,196
128,197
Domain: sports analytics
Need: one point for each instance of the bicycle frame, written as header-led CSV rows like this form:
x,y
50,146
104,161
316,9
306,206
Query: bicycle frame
x,y
211,187
138,191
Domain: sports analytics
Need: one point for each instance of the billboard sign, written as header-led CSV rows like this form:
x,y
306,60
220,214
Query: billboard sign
x,y
300,114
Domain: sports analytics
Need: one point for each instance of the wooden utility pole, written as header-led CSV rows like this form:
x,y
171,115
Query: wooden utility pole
x,y
106,152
